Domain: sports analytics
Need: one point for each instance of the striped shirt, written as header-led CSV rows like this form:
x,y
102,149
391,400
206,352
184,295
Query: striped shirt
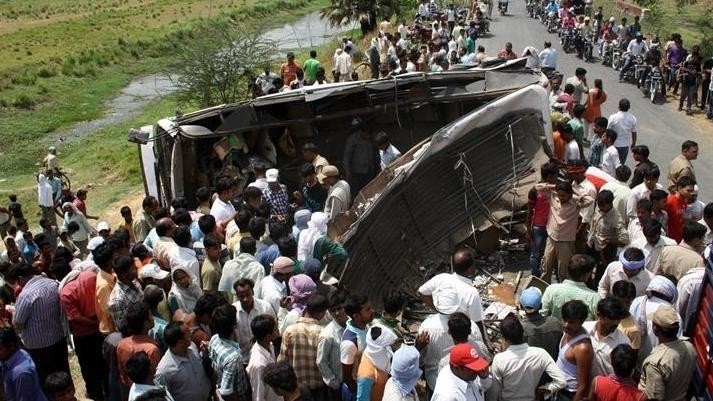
x,y
39,311
229,369
299,349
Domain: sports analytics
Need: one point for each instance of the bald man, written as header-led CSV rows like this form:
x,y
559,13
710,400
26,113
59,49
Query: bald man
x,y
165,227
460,280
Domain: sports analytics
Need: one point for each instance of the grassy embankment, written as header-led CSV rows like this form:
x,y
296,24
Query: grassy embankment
x,y
675,19
63,60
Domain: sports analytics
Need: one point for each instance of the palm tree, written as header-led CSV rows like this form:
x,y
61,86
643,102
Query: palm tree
x,y
367,12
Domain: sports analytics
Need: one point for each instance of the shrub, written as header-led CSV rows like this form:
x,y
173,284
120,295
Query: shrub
x,y
24,101
46,72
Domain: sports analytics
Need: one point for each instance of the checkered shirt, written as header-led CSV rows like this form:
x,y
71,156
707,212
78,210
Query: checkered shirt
x,y
278,201
299,349
229,370
122,296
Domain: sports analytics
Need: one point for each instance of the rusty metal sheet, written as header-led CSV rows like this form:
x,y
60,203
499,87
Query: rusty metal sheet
x,y
406,217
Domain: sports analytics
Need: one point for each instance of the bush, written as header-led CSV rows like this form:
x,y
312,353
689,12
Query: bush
x,y
46,72
24,101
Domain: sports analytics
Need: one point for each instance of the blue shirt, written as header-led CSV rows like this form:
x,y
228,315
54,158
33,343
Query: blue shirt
x,y
196,233
552,8
29,251
20,379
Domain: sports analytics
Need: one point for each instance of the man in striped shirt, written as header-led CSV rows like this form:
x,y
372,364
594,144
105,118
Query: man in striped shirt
x,y
38,319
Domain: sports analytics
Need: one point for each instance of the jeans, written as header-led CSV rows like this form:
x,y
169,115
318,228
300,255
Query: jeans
x,y
625,67
623,152
688,93
710,104
539,236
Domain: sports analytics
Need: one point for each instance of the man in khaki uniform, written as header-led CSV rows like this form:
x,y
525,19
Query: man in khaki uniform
x,y
667,371
681,165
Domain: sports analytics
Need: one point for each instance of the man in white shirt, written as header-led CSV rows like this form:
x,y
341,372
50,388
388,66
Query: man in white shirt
x,y
517,370
264,329
689,293
423,10
629,267
652,243
339,197
610,158
643,190
248,308
604,334
571,149
465,379
343,64
183,254
548,58
222,209
387,151
626,126
274,286
181,370
637,47
463,262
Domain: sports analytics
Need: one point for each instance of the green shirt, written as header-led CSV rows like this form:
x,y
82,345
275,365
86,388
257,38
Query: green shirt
x,y
310,69
559,294
470,45
577,128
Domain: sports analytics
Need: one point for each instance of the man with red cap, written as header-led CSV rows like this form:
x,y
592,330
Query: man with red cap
x,y
465,379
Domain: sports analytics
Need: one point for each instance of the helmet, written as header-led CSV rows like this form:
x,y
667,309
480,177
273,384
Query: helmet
x,y
51,149
586,19
654,45
612,19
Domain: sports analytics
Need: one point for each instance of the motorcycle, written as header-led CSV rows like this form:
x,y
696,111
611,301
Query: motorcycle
x,y
531,8
552,23
568,40
616,61
634,71
607,53
503,7
653,86
588,47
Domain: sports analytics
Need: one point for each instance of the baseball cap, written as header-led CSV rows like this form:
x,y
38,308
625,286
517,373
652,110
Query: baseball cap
x,y
272,175
465,355
103,226
666,317
152,270
531,299
330,171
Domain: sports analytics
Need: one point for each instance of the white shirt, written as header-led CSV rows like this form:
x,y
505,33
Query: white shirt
x,y
440,344
389,155
338,199
222,211
610,161
451,388
183,377
637,48
344,64
423,10
689,292
392,393
469,300
272,291
517,371
621,196
637,193
548,58
615,272
648,340
624,124
588,188
185,257
243,333
259,358
652,252
601,360
571,151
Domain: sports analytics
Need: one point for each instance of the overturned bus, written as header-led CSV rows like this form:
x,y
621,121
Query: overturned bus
x,y
488,125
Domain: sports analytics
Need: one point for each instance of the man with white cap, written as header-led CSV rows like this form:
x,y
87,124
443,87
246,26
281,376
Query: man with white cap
x,y
517,371
660,292
276,196
466,379
274,286
540,331
339,197
104,232
667,371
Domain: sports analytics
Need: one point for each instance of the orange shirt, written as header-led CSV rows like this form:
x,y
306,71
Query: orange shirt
x,y
559,145
288,73
105,283
675,207
594,105
133,345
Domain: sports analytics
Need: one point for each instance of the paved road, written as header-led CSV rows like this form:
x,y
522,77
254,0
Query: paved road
x,y
661,127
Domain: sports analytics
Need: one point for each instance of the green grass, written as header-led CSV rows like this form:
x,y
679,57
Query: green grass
x,y
66,83
675,19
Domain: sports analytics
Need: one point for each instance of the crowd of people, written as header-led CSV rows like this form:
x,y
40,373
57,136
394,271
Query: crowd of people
x,y
213,299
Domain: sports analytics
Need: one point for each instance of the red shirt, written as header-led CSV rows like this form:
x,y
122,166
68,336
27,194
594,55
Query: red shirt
x,y
288,73
80,205
540,203
132,345
79,300
611,388
675,207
